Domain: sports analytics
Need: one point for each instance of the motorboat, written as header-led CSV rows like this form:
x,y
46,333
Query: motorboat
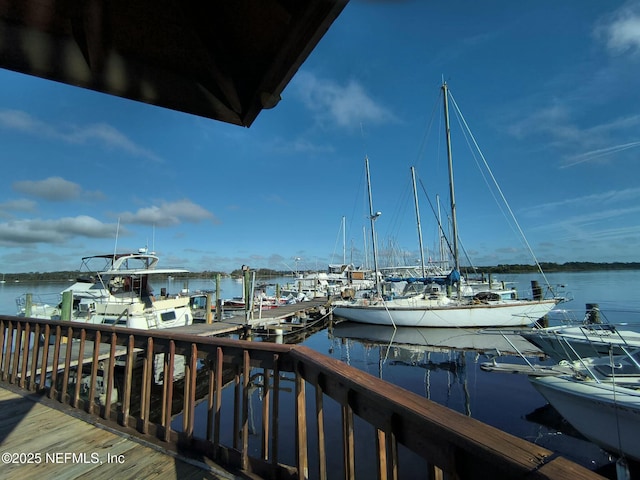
x,y
606,413
593,337
116,289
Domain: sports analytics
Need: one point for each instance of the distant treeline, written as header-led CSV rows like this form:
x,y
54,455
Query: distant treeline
x,y
74,274
264,273
549,267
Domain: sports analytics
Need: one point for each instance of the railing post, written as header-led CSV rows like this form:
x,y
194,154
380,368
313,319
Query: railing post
x,y
67,365
266,397
188,417
24,339
45,357
2,363
236,406
35,356
383,446
128,379
168,383
147,375
53,390
94,372
348,440
76,394
275,417
246,376
109,376
218,406
322,454
6,371
302,460
16,353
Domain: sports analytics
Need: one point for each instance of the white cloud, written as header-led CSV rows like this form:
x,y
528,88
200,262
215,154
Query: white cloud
x,y
7,209
299,145
590,202
53,188
22,121
108,136
599,153
168,214
557,125
345,105
621,30
59,231
90,134
18,205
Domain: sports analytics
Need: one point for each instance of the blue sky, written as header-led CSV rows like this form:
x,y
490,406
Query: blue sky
x,y
549,89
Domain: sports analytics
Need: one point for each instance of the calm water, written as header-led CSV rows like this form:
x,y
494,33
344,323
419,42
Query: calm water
x,y
445,366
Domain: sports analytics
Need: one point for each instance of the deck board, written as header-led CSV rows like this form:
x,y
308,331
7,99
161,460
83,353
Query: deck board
x,y
29,426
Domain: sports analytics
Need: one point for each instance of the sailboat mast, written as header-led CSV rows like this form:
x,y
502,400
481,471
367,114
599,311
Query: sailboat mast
x,y
372,217
344,242
454,223
441,247
415,200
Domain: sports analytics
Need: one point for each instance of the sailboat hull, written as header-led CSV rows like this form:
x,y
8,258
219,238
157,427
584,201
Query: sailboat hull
x,y
518,313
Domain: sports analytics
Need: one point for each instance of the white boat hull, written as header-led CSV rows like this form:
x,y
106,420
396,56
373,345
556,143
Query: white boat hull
x,y
575,343
517,313
607,414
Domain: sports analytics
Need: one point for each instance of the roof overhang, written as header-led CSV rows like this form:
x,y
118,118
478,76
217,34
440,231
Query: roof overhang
x,y
222,59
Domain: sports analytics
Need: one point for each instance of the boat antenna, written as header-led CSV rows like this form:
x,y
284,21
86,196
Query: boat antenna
x,y
115,247
344,242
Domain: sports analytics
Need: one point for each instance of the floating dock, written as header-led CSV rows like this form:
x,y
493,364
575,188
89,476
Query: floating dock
x,y
286,316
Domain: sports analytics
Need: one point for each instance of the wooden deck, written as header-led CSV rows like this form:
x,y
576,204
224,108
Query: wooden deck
x,y
283,313
259,319
38,440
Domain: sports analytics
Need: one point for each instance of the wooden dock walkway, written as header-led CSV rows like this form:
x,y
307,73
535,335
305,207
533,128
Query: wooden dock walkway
x,y
281,315
38,440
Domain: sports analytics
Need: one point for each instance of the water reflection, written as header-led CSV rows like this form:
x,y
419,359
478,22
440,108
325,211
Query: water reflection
x,y
442,355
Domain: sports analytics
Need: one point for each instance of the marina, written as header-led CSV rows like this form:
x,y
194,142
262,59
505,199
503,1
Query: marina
x,y
444,366
375,367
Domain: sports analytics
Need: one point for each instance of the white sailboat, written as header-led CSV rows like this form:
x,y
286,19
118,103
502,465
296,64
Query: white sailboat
x,y
434,306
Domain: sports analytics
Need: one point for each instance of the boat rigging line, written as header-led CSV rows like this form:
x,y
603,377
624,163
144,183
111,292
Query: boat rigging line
x,y
517,224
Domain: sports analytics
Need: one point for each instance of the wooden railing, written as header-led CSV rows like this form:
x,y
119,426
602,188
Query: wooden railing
x,y
317,417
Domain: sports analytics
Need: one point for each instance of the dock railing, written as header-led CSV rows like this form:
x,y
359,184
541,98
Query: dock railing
x,y
277,411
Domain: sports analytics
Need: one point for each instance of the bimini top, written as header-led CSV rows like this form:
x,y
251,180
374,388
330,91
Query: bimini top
x,y
141,263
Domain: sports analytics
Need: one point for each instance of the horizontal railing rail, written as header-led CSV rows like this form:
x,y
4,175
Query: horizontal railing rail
x,y
278,411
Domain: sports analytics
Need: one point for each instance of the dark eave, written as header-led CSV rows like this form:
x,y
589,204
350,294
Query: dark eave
x,y
225,60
